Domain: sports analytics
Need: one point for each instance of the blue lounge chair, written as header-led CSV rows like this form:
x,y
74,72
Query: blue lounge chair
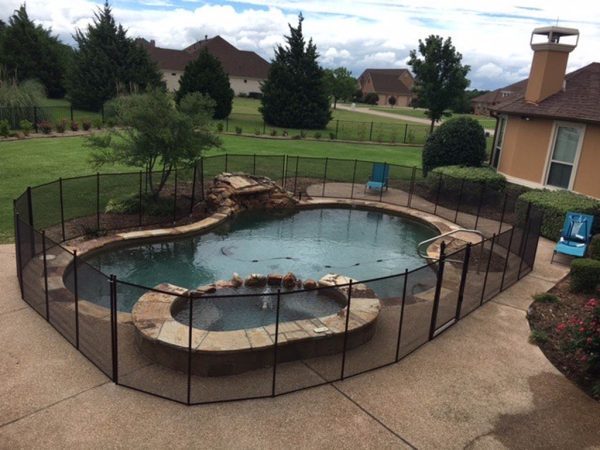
x,y
575,235
379,177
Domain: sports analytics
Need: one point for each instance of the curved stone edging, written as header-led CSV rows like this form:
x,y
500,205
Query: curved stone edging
x,y
164,340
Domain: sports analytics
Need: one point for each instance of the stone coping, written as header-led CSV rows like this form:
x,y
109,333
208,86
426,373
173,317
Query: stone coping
x,y
152,316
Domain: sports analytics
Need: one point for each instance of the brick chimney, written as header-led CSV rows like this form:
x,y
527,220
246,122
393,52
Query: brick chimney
x,y
549,65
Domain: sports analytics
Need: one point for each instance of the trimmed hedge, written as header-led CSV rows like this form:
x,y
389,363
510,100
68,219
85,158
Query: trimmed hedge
x,y
585,275
555,205
594,250
487,175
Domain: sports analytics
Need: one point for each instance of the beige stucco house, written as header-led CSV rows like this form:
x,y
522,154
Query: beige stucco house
x,y
548,136
387,83
246,69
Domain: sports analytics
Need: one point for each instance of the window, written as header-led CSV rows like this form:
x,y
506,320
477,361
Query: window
x,y
498,143
173,73
245,81
565,149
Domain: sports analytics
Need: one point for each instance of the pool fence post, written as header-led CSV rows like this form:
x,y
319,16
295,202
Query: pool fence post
x,y
503,211
483,187
524,238
460,194
35,119
30,213
401,315
62,208
283,167
371,132
45,275
97,201
140,212
325,176
438,290
405,131
76,295
273,386
346,330
264,127
175,197
18,246
353,178
487,268
412,185
254,164
463,281
381,189
114,328
512,232
296,175
202,178
71,108
193,196
437,195
189,361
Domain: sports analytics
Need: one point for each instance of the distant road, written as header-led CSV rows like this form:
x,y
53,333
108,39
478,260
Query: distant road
x,y
395,116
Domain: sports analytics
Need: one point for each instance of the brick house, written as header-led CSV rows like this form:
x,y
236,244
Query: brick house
x,y
246,69
483,104
387,83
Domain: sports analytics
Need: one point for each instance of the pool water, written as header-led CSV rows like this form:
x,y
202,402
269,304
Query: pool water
x,y
310,243
235,313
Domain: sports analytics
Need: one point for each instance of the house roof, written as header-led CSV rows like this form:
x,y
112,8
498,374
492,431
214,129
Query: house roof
x,y
579,101
494,97
388,80
237,63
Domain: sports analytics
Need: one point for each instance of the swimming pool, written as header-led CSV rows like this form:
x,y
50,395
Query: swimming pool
x,y
310,243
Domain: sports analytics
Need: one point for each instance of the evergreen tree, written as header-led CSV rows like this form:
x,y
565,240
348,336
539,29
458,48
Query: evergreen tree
x,y
206,75
295,93
29,51
108,62
440,77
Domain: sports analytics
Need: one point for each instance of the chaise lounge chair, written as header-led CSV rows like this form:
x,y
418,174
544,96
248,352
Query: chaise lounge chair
x,y
379,177
575,235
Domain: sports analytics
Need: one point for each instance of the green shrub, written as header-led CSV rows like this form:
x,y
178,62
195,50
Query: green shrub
x,y
74,126
594,249
61,126
257,132
26,126
273,132
458,141
318,135
86,124
555,205
4,130
585,275
538,337
371,98
131,205
238,130
98,124
220,127
483,175
331,135
45,127
545,297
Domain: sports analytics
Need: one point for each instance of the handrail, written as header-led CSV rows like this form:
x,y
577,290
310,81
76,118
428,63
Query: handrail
x,y
448,233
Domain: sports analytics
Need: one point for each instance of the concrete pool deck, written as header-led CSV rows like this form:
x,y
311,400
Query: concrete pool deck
x,y
478,385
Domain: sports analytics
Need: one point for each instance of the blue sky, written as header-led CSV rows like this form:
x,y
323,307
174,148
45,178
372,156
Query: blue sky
x,y
492,35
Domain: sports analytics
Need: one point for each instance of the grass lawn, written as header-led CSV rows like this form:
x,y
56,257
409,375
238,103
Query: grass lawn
x,y
55,109
37,161
486,122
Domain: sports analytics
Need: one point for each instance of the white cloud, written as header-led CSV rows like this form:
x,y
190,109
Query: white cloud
x,y
493,36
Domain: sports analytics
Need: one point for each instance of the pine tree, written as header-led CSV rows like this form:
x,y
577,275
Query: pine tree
x,y
206,75
108,62
29,51
295,93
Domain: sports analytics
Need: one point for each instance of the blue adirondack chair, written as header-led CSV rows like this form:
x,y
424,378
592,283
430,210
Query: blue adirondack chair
x,y
575,235
380,175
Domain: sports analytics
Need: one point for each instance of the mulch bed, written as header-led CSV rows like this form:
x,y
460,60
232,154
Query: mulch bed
x,y
546,317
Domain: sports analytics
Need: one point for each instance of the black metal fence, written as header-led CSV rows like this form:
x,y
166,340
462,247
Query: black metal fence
x,y
240,123
86,305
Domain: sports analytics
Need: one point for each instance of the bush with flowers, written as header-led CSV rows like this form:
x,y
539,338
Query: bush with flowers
x,y
582,334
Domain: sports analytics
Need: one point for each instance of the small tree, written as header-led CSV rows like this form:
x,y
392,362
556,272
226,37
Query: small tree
x,y
206,75
457,142
157,134
440,77
295,94
392,100
341,85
